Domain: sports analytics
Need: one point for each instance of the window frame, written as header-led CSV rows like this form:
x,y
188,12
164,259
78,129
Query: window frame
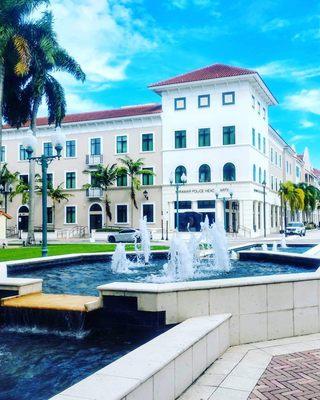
x,y
207,134
66,214
90,145
127,213
229,135
75,148
235,172
66,180
44,147
201,97
181,138
126,142
176,100
153,147
199,173
153,212
225,94
148,176
24,151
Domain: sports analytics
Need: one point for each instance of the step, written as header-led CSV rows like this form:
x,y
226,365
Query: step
x,y
60,302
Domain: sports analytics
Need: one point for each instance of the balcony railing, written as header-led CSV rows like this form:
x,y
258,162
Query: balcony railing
x,y
94,193
94,159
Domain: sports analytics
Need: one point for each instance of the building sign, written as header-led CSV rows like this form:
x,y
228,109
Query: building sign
x,y
197,191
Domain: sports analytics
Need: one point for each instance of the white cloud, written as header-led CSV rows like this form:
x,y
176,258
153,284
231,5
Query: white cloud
x,y
275,24
305,100
301,138
285,69
210,5
306,123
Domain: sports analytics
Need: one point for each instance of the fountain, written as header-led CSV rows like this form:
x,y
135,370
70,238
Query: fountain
x,y
193,247
3,272
283,243
120,264
275,246
144,246
264,247
234,256
219,244
179,266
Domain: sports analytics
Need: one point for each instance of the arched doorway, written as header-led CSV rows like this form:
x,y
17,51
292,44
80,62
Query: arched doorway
x,y
95,217
23,218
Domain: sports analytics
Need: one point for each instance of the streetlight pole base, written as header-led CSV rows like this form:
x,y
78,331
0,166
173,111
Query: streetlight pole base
x,y
44,252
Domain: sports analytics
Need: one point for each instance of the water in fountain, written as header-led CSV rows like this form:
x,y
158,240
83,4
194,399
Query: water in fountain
x,y
283,243
120,264
3,271
144,247
275,246
219,243
179,266
264,247
193,247
205,231
234,256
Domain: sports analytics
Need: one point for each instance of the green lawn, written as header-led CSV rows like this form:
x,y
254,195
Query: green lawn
x,y
21,253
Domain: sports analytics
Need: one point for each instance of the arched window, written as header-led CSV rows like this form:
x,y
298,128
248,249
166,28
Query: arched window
x,y
204,173
254,173
229,172
260,175
24,209
179,172
95,208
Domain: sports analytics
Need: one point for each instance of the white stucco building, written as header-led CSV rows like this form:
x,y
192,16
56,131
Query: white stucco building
x,y
212,125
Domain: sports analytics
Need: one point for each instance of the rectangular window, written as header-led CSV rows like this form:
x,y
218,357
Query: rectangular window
x,y
206,204
23,153
204,101
147,142
122,180
147,179
259,141
24,179
70,148
122,213
122,144
180,103
280,161
229,135
70,215
148,212
259,215
204,139
228,98
70,180
49,215
48,149
3,154
253,137
95,146
253,99
271,155
264,114
259,108
264,145
183,205
180,139
50,180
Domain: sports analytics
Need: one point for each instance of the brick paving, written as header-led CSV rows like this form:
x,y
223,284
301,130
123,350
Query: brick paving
x,y
290,377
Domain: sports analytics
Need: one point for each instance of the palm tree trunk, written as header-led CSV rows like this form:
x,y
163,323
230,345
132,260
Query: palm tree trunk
x,y
32,167
1,104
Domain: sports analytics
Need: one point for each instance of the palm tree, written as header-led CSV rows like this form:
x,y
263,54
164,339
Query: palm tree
x,y
311,198
57,195
103,178
7,179
293,196
14,47
22,188
133,169
47,57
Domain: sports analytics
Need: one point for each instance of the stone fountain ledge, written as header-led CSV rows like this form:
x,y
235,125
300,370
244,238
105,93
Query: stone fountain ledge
x,y
162,368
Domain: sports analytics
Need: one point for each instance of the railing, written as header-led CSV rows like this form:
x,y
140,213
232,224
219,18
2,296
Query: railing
x,y
76,232
12,231
94,193
94,159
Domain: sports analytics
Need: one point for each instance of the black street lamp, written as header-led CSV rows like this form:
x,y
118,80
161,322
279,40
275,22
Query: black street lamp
x,y
264,184
30,144
183,181
6,190
224,199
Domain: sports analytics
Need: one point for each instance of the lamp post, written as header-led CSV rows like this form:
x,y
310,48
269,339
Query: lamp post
x,y
30,143
264,184
5,190
177,185
224,199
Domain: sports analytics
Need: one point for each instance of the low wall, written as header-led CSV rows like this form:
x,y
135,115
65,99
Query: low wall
x,y
262,308
162,368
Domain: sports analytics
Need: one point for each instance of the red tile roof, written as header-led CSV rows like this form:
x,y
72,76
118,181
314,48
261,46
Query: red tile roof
x,y
144,109
316,172
214,71
5,214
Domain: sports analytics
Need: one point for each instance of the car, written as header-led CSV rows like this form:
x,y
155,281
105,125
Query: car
x,y
129,235
295,228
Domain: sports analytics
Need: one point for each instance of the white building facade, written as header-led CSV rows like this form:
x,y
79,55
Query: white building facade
x,y
212,125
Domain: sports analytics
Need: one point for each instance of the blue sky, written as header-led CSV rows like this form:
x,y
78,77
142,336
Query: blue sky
x,y
125,45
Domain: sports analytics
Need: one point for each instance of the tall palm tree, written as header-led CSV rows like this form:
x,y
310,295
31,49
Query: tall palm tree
x,y
47,57
14,46
293,196
133,169
311,198
7,179
104,177
22,189
57,195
